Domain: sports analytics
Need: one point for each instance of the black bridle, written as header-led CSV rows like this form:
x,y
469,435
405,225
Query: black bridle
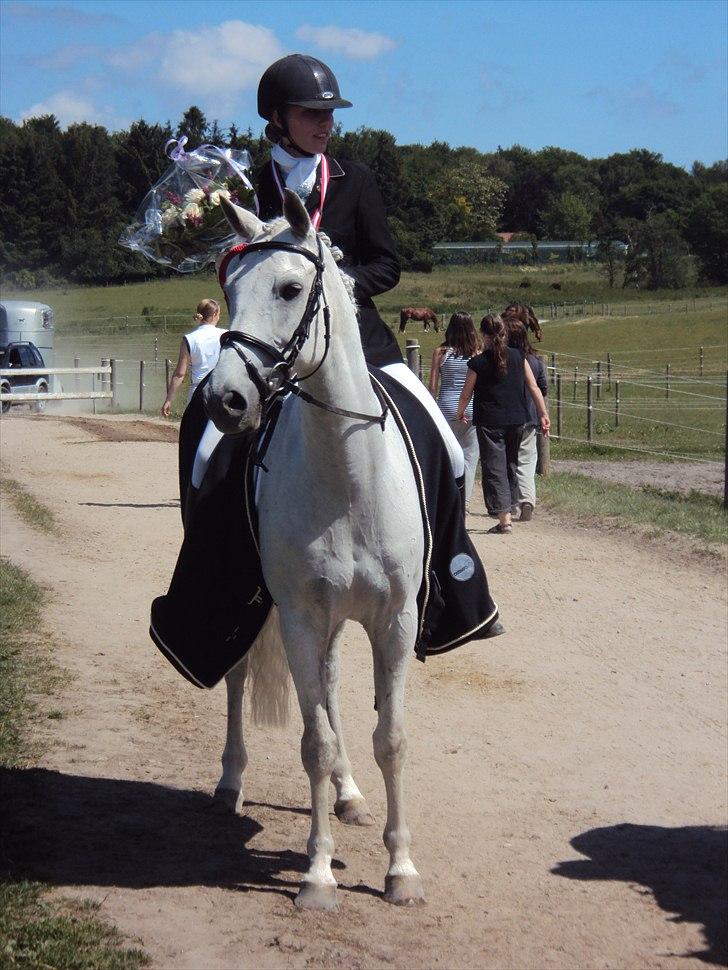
x,y
280,379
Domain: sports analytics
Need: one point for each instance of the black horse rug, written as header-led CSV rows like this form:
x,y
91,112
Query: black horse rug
x,y
218,600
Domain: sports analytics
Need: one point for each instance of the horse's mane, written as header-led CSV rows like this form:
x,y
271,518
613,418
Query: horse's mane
x,y
276,225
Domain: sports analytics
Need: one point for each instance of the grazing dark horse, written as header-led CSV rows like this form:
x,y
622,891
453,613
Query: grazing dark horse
x,y
423,313
524,313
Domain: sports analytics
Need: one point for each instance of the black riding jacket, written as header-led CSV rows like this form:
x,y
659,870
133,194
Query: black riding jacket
x,y
355,220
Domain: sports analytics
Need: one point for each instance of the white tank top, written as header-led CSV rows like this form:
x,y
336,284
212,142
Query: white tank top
x,y
204,347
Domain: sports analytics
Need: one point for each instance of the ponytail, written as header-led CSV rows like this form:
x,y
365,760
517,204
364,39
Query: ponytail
x,y
492,326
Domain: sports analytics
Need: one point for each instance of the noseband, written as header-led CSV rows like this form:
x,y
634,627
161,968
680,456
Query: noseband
x,y
279,379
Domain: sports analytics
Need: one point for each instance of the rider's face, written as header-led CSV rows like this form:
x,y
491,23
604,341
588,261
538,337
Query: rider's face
x,y
310,128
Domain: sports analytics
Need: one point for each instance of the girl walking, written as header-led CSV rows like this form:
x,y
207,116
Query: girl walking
x,y
500,378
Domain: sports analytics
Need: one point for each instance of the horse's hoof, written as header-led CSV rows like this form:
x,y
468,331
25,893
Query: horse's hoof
x,y
313,896
404,890
353,811
227,801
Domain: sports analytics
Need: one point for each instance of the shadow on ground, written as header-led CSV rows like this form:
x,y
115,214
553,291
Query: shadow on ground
x,y
686,869
71,830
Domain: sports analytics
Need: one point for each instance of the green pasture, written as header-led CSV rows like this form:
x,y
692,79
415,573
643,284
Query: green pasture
x,y
477,289
643,331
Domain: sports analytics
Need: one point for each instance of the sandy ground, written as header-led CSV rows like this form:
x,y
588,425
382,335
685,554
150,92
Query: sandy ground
x,y
566,782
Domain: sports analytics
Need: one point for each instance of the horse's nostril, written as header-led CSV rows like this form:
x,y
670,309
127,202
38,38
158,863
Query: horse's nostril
x,y
234,401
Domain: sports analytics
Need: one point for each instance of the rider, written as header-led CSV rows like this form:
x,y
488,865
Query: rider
x,y
297,96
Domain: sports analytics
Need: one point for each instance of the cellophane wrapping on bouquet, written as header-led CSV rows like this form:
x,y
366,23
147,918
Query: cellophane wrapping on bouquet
x,y
180,223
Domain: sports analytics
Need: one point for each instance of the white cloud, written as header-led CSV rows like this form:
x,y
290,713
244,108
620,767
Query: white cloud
x,y
357,44
45,13
219,61
71,109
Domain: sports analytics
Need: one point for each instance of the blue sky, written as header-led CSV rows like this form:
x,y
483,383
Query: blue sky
x,y
594,76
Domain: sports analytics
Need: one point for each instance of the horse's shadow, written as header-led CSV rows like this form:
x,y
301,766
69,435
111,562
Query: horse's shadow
x,y
686,869
71,830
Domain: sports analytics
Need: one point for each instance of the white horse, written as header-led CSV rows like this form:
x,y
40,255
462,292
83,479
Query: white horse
x,y
340,528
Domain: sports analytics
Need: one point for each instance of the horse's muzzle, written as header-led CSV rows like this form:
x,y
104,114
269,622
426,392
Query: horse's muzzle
x,y
228,410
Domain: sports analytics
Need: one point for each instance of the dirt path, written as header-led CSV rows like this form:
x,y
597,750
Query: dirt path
x,y
566,782
672,476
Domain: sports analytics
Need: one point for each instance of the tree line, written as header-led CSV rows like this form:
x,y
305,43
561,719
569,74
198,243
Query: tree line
x,y
69,193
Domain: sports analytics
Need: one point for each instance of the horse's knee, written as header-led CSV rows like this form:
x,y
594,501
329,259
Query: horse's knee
x,y
319,748
390,746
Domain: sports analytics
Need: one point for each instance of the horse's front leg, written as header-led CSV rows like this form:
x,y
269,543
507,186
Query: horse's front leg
x,y
305,649
350,806
229,791
392,649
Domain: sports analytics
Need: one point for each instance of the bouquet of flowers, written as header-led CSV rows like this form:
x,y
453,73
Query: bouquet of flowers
x,y
180,223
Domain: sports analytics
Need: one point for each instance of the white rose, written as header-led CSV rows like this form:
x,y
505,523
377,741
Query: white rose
x,y
194,195
169,216
191,211
219,194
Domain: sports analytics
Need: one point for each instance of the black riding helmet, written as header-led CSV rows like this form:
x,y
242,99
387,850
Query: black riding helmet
x,y
298,79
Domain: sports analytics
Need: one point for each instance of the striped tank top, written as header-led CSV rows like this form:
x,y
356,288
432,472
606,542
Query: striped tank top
x,y
453,371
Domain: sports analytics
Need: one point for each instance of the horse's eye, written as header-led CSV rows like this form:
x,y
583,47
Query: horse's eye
x,y
290,291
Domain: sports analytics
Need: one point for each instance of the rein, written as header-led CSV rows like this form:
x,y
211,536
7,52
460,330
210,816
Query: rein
x,y
279,380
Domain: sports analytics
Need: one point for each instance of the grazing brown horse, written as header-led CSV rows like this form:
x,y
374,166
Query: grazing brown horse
x,y
524,313
423,313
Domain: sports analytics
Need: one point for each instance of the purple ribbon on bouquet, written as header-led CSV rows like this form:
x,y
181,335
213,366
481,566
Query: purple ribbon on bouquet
x,y
179,152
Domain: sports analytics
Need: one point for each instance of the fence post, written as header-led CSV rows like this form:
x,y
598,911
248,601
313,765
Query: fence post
x,y
114,395
105,382
412,349
616,404
589,409
76,363
156,352
558,406
725,470
609,372
599,380
553,368
543,454
576,379
165,322
667,381
141,385
702,360
167,366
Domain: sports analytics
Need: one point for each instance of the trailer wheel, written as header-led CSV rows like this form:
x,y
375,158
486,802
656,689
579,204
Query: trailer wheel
x,y
5,404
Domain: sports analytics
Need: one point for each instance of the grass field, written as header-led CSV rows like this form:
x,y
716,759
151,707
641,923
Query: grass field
x,y
644,332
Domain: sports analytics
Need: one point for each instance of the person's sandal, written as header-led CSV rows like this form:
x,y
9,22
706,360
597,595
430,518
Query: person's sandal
x,y
526,512
500,530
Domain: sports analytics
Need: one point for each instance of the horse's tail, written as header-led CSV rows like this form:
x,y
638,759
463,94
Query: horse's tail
x,y
269,678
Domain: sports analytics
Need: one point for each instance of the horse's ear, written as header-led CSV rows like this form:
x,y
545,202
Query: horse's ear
x,y
242,221
295,212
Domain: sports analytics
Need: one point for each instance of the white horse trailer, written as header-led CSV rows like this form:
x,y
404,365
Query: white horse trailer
x,y
27,321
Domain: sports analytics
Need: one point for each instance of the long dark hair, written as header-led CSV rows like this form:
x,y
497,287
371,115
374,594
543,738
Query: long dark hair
x,y
492,326
518,336
524,313
461,335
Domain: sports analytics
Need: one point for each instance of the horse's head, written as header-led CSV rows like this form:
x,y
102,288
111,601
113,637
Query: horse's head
x,y
273,286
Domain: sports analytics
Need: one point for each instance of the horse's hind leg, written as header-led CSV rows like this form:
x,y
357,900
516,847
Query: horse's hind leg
x,y
392,651
229,791
350,806
319,751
